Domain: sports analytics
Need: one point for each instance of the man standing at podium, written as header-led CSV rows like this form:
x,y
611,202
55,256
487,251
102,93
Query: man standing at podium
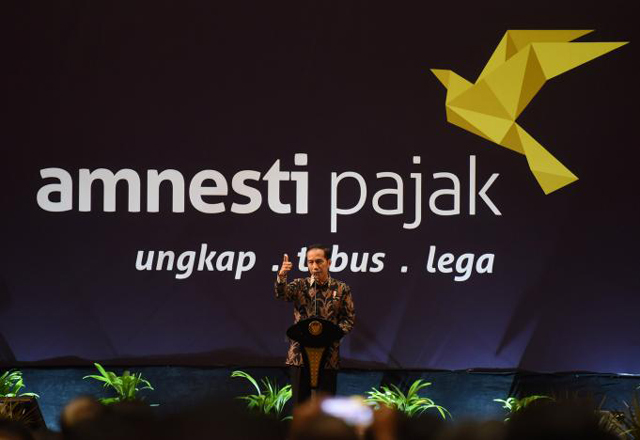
x,y
322,296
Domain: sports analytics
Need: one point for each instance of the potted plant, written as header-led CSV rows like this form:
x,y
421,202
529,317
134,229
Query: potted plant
x,y
270,398
17,406
410,403
127,386
514,404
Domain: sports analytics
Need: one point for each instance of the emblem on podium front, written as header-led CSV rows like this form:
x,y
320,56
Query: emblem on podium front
x,y
315,328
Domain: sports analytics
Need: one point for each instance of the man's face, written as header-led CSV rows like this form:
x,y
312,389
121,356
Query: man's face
x,y
318,264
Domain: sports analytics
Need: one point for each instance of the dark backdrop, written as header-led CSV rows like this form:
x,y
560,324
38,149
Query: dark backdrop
x,y
192,86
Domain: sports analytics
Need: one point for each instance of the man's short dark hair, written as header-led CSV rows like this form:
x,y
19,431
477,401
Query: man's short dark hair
x,y
326,249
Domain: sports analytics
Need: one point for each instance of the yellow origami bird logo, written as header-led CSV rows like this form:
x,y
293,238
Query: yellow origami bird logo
x,y
521,64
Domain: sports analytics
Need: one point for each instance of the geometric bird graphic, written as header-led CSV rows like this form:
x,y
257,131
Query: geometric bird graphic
x,y
521,64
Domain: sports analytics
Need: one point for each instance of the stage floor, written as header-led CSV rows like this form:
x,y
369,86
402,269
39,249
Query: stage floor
x,y
466,394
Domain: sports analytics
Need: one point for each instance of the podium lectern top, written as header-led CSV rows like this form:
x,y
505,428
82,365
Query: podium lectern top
x,y
315,332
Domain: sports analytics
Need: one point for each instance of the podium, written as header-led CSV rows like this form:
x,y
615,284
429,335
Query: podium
x,y
315,336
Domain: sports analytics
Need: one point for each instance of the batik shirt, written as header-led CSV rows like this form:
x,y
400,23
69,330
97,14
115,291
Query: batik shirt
x,y
331,301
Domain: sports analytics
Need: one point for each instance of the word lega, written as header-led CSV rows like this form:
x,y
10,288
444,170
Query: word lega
x,y
463,264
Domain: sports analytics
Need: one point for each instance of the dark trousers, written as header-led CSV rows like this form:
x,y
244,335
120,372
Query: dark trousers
x,y
300,387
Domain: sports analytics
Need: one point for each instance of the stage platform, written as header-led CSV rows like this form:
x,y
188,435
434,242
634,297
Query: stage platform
x,y
467,394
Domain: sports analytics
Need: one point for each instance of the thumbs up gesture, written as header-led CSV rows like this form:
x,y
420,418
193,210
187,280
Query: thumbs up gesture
x,y
286,267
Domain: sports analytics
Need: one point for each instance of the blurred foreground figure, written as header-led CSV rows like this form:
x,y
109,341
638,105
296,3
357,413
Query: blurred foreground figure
x,y
79,410
489,430
87,419
549,420
325,427
220,421
311,423
389,424
84,418
10,430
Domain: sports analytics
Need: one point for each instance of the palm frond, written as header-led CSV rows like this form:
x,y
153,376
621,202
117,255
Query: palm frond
x,y
125,386
271,398
410,403
239,373
514,404
630,418
11,382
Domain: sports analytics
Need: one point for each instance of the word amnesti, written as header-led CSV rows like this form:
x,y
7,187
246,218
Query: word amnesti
x,y
208,191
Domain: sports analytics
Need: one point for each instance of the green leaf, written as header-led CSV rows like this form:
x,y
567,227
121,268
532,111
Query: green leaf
x,y
96,377
410,403
514,404
270,399
247,376
11,382
125,386
101,369
110,400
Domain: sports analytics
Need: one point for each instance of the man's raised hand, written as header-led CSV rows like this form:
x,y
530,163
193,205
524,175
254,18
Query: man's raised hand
x,y
286,267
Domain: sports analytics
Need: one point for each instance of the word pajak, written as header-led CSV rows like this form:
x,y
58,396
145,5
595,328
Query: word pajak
x,y
443,202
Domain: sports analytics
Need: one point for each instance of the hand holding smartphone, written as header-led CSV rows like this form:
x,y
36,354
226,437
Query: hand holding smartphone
x,y
353,410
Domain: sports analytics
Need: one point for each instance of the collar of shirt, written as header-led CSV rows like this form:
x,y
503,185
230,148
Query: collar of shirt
x,y
312,281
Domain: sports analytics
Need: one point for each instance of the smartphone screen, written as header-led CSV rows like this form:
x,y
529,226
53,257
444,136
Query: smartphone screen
x,y
352,410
